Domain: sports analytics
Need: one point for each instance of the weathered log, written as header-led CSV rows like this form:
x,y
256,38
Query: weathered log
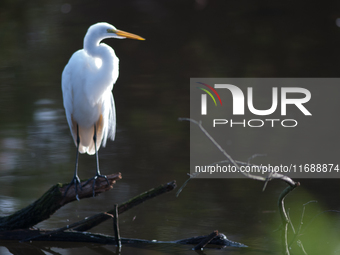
x,y
51,201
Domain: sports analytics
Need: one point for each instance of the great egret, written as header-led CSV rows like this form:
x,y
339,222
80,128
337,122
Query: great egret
x,y
87,81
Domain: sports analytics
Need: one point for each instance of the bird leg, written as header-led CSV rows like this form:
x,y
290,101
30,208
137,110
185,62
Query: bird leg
x,y
97,163
75,180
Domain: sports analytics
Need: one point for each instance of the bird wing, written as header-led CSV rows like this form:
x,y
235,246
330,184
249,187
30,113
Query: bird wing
x,y
68,100
109,110
112,119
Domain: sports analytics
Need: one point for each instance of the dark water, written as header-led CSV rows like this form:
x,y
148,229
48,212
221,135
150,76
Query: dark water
x,y
184,39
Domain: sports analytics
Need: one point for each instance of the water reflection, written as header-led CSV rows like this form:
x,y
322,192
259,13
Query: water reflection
x,y
8,205
45,136
9,157
43,141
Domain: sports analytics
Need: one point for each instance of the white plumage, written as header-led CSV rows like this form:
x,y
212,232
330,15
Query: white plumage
x,y
87,82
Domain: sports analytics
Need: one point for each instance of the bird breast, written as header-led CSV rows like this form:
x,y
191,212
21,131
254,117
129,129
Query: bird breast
x,y
93,80
102,73
86,112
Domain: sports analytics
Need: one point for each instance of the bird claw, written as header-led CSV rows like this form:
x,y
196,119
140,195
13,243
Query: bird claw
x,y
76,182
94,178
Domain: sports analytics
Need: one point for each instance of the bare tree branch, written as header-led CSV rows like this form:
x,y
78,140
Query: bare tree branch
x,y
51,201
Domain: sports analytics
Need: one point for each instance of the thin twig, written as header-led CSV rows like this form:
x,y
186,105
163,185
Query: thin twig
x,y
99,218
284,217
314,218
240,163
290,222
212,140
235,163
116,226
302,248
298,231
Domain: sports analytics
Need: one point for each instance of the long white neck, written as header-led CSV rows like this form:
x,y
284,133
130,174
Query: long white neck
x,y
93,48
107,74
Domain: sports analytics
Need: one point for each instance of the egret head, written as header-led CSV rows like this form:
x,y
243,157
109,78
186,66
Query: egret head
x,y
105,30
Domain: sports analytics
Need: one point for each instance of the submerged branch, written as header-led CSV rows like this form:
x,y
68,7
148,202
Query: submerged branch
x,y
206,240
87,237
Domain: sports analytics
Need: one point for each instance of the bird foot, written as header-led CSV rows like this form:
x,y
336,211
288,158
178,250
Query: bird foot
x,y
76,182
94,181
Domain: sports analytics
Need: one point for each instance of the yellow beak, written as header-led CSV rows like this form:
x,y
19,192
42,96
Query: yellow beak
x,y
128,35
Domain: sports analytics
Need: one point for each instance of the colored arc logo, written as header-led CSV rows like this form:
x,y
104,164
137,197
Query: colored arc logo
x,y
208,92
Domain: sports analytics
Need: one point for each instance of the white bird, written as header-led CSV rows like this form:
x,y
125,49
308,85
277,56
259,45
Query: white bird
x,y
87,82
